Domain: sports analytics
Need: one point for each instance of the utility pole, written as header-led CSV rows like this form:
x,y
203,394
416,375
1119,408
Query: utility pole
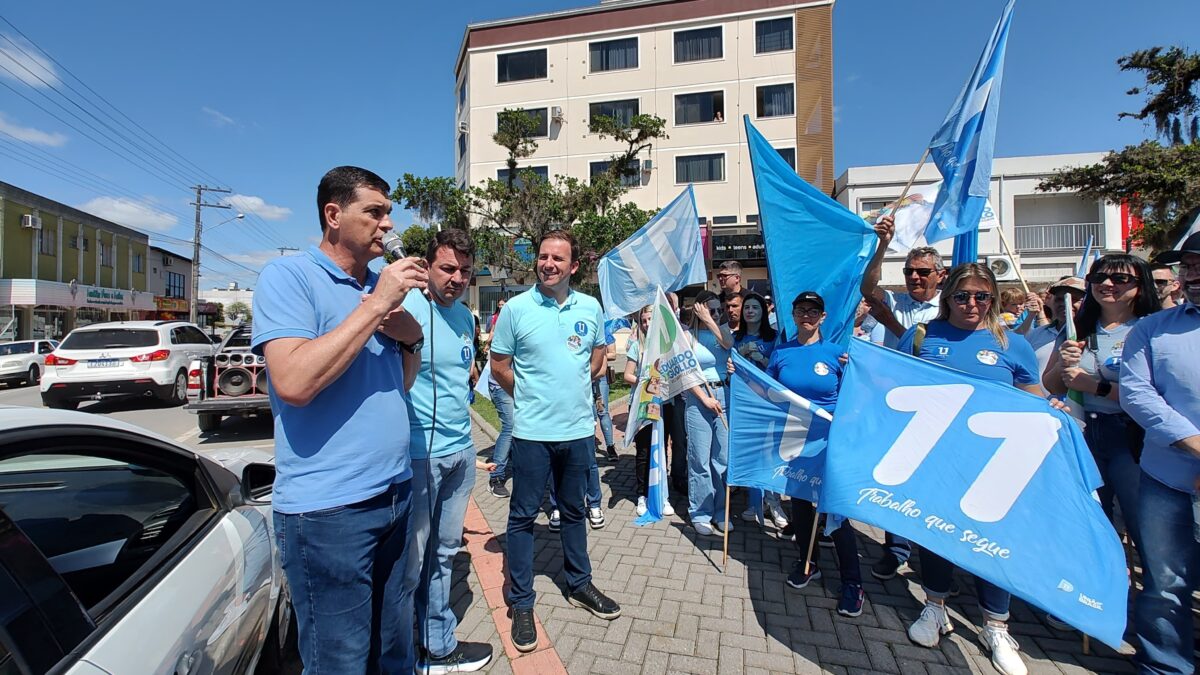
x,y
284,249
199,203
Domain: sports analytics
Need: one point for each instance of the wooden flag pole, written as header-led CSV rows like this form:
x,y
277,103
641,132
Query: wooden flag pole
x,y
812,540
1087,644
1004,244
912,179
725,533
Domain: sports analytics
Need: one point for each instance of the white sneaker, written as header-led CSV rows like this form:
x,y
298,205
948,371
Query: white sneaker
x,y
596,517
1005,657
705,529
668,510
929,628
778,517
641,506
555,521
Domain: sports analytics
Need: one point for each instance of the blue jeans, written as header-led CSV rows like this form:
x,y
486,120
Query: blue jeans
x,y
1162,614
600,391
567,464
345,568
504,408
897,546
1108,437
593,487
845,544
937,576
708,457
441,487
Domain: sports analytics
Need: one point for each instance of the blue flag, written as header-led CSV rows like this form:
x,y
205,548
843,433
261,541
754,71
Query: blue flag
x,y
1085,261
777,438
656,483
666,252
962,147
813,243
985,475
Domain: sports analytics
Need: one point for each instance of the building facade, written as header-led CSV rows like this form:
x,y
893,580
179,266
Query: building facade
x,y
170,283
226,297
61,268
1045,233
698,64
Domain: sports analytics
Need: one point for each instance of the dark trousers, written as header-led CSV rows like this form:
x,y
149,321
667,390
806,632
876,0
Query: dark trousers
x,y
641,465
804,515
675,426
567,463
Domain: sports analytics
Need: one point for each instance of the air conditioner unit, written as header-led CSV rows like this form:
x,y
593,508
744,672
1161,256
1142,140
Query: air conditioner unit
x,y
556,113
1003,267
31,222
647,165
462,127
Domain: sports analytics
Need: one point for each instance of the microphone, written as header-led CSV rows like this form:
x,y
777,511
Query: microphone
x,y
393,247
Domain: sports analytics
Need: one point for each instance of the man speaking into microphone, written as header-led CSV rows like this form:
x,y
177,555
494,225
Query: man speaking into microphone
x,y
337,344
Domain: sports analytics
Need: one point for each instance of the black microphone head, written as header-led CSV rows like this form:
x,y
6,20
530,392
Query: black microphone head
x,y
393,245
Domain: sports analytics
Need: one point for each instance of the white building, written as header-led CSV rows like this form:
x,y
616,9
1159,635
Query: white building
x,y
227,296
170,281
1047,232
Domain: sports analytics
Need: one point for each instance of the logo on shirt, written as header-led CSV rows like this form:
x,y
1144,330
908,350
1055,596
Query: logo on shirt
x,y
574,342
987,357
466,355
820,369
581,328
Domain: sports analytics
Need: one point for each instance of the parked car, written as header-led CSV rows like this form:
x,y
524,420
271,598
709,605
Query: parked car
x,y
23,362
231,383
124,552
128,358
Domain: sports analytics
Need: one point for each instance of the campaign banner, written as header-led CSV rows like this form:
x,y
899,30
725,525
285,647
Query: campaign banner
x,y
981,473
666,367
911,216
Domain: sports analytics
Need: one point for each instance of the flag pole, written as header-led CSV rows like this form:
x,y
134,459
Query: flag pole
x,y
1004,244
912,179
725,533
812,539
1087,644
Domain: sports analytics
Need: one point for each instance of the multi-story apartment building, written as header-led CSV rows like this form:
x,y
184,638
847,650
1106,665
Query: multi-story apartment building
x,y
61,268
698,64
170,283
1046,233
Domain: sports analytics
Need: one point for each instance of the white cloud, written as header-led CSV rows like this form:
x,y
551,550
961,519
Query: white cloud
x,y
217,117
31,135
21,61
259,207
254,259
127,212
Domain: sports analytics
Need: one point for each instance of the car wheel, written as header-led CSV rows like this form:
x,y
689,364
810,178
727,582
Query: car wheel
x,y
34,376
208,421
178,393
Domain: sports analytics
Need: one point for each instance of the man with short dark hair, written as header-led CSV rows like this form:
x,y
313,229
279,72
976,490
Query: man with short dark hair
x,y
729,279
443,455
547,348
338,344
1169,293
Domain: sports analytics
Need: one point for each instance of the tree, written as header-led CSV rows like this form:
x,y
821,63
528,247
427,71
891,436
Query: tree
x,y
238,311
416,239
219,317
1160,183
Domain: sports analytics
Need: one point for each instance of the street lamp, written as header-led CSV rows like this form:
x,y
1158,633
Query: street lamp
x,y
194,315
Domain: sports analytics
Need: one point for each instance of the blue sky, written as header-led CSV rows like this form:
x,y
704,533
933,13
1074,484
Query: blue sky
x,y
266,96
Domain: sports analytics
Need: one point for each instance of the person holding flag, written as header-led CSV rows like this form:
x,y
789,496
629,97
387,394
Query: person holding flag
x,y
1044,339
641,439
707,432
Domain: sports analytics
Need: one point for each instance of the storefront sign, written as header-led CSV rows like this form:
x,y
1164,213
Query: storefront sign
x,y
205,307
170,304
744,248
104,296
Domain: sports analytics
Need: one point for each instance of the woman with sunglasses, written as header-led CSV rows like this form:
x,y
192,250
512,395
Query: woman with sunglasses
x,y
707,433
968,335
1120,290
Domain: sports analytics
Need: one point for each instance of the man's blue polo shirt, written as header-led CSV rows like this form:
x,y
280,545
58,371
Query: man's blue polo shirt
x,y
448,354
551,346
351,441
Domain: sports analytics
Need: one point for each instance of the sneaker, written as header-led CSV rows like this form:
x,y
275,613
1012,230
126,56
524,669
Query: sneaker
x,y
721,528
851,602
555,521
468,657
887,567
1057,623
788,532
524,630
1005,657
611,452
824,540
798,579
641,506
596,517
591,599
777,517
668,510
929,628
497,488
705,529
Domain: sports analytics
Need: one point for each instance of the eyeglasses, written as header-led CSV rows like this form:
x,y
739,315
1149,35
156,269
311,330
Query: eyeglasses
x,y
919,271
981,297
807,312
1118,278
1162,283
727,276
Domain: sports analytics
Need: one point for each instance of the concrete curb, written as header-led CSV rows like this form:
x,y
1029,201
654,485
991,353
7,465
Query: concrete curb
x,y
484,426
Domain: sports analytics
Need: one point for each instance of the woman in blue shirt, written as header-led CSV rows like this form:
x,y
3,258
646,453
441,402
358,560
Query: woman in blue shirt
x,y
968,335
707,433
812,368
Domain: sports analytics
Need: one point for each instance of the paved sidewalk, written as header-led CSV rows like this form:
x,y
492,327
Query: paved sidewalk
x,y
682,614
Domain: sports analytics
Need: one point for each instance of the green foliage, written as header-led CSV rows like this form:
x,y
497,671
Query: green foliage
x,y
220,315
1160,183
239,311
416,239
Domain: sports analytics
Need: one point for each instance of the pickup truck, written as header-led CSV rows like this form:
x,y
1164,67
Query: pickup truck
x,y
232,382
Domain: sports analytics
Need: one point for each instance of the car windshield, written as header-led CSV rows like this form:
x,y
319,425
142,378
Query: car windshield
x,y
110,338
239,341
16,348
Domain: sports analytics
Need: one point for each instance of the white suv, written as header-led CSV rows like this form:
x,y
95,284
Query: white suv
x,y
24,361
129,358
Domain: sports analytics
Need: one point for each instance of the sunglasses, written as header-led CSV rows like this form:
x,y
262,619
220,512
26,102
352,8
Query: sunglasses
x,y
806,312
962,297
1118,278
1162,283
921,272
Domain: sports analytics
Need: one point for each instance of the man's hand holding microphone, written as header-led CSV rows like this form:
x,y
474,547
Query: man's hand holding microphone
x,y
396,279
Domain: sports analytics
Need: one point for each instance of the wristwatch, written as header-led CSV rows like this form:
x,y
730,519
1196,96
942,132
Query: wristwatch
x,y
414,347
1103,388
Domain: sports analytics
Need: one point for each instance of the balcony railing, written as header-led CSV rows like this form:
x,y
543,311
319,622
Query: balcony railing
x,y
1058,236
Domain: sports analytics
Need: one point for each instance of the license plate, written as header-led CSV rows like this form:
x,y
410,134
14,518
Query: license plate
x,y
103,363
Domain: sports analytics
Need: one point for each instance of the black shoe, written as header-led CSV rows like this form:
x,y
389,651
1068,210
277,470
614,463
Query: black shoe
x,y
886,567
467,658
612,453
524,631
591,599
496,487
825,541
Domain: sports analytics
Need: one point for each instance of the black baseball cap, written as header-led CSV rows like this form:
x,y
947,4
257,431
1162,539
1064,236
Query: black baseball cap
x,y
809,296
1190,245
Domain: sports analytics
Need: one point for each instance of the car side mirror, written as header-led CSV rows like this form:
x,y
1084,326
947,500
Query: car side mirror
x,y
258,482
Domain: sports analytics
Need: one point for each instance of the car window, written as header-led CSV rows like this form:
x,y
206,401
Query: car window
x,y
196,337
14,348
45,347
111,338
239,340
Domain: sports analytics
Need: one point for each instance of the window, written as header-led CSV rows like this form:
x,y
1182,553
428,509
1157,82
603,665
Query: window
x,y
788,155
462,93
701,44
47,242
139,263
619,54
517,66
462,145
166,260
622,111
700,168
724,220
874,204
106,255
196,336
542,172
45,347
776,100
631,178
174,285
111,338
752,218
773,35
541,122
701,107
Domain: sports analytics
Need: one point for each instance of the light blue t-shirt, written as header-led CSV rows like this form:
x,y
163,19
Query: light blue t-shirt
x,y
345,445
715,362
976,352
447,355
812,371
1102,357
551,348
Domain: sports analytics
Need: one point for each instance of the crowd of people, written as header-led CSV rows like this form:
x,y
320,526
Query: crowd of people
x,y
372,373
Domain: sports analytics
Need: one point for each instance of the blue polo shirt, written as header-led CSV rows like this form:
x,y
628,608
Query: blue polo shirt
x,y
551,347
976,352
345,445
447,355
812,371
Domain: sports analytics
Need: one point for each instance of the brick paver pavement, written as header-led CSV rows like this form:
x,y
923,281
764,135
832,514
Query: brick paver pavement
x,y
682,614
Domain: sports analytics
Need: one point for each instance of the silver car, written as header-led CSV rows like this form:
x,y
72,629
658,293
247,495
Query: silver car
x,y
124,552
